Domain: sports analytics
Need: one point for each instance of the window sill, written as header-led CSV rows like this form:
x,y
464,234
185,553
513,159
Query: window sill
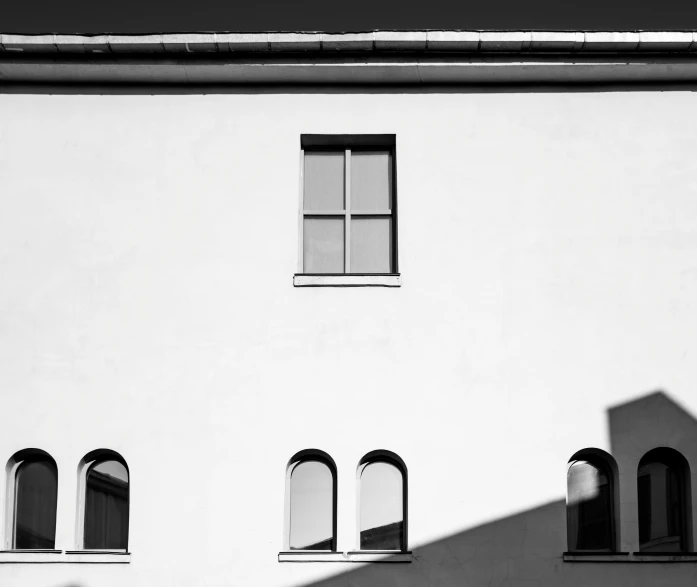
x,y
378,556
665,557
30,556
97,556
634,557
596,557
309,556
69,556
347,280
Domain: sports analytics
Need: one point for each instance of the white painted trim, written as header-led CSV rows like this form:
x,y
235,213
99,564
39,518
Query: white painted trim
x,y
386,556
57,556
308,556
31,556
82,470
286,509
10,503
97,556
348,280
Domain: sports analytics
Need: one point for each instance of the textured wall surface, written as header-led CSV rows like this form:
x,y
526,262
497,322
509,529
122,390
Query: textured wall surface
x,y
547,245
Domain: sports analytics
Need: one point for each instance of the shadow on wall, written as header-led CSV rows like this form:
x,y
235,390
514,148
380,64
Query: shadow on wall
x,y
526,549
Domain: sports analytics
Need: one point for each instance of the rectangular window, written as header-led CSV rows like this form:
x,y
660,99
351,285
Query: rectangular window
x,y
348,207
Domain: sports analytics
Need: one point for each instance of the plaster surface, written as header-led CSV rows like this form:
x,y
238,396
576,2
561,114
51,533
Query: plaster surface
x,y
547,246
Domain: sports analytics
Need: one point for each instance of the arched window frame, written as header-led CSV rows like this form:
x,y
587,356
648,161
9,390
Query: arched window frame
x,y
88,461
304,456
384,456
661,453
604,460
11,469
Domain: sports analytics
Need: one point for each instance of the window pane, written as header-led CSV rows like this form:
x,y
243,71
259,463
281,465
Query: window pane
x,y
323,241
324,181
106,506
311,507
660,508
37,492
382,510
589,507
371,180
371,244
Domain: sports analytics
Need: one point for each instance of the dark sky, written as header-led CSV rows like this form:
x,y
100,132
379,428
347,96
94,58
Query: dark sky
x,y
143,16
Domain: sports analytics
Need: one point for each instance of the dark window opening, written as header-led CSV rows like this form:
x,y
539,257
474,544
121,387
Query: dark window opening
x,y
106,506
661,494
36,494
589,512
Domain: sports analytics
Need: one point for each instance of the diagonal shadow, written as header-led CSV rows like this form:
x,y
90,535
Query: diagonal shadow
x,y
522,547
526,549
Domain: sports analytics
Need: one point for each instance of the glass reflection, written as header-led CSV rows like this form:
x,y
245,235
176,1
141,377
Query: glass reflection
x,y
36,495
311,507
660,488
382,507
106,506
589,506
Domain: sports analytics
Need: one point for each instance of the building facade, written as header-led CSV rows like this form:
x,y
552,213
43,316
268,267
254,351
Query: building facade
x,y
408,309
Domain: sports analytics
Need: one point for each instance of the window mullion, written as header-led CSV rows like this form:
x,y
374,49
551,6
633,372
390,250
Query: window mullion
x,y
347,222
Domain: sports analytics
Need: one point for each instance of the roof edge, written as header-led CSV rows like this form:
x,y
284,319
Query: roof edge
x,y
375,41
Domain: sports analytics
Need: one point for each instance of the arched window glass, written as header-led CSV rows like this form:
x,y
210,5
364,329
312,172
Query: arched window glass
x,y
106,506
312,506
661,485
382,510
36,494
589,511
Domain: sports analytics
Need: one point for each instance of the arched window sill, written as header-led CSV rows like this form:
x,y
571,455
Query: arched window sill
x,y
68,556
664,557
97,556
356,556
630,557
380,556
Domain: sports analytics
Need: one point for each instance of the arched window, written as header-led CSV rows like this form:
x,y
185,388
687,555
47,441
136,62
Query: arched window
x,y
104,481
33,494
311,502
382,506
590,516
663,488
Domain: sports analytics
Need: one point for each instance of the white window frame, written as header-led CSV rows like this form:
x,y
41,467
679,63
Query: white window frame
x,y
11,502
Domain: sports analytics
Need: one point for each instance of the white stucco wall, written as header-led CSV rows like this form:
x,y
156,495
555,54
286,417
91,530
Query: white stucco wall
x,y
547,245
